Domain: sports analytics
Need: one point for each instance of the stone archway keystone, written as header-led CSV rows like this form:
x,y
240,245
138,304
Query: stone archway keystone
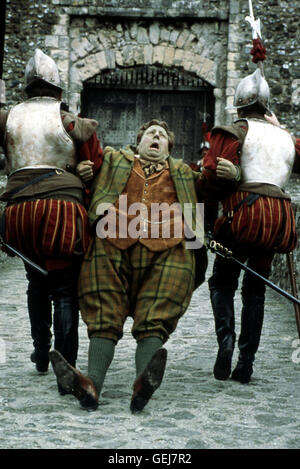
x,y
129,56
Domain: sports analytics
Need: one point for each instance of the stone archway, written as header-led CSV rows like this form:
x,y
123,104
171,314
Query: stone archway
x,y
101,44
122,99
128,56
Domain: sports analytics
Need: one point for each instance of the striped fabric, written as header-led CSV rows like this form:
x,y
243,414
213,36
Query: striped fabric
x,y
268,223
47,229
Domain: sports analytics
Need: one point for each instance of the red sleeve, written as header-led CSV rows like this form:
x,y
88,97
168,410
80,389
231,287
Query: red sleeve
x,y
297,145
92,150
296,168
194,166
222,145
89,150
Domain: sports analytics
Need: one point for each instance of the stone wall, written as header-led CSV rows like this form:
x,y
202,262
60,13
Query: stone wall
x,y
92,37
280,274
281,34
3,256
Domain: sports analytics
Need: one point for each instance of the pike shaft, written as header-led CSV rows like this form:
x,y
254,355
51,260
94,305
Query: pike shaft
x,y
251,9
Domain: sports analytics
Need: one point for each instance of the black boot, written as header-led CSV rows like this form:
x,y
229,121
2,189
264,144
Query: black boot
x,y
41,360
222,304
243,370
62,287
222,367
251,327
222,285
39,310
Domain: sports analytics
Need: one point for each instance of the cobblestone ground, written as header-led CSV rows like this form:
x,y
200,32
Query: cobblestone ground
x,y
190,410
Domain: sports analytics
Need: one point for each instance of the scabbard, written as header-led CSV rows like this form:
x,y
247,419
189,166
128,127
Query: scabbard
x,y
24,258
224,252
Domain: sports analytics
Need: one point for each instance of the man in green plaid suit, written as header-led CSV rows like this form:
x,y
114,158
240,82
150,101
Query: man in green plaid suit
x,y
132,267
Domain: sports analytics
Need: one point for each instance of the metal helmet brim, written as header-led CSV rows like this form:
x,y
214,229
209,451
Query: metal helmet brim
x,y
251,90
42,69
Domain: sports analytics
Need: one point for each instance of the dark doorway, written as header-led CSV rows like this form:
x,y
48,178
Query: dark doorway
x,y
121,104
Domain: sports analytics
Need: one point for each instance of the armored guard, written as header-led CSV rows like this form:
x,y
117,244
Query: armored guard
x,y
45,217
257,219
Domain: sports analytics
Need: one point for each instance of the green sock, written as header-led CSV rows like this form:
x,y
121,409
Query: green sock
x,y
145,350
101,353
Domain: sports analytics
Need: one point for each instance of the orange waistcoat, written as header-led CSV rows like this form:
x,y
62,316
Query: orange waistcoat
x,y
135,218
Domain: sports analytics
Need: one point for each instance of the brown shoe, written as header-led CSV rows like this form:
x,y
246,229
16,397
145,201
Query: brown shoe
x,y
73,382
149,381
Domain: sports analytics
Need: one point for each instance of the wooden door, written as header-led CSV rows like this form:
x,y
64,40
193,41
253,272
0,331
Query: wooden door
x,y
122,109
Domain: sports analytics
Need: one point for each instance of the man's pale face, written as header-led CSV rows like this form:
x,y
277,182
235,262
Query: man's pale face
x,y
154,143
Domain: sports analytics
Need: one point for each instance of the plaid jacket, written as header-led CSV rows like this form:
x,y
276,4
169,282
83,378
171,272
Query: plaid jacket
x,y
115,172
112,180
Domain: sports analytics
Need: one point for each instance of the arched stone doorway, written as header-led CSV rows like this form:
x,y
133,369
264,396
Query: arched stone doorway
x,y
122,99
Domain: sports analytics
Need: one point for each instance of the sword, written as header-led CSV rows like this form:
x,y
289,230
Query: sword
x,y
290,262
224,252
24,258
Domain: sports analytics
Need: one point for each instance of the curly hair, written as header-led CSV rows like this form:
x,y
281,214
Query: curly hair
x,y
162,124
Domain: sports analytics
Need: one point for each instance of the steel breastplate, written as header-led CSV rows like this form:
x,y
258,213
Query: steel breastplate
x,y
35,136
268,154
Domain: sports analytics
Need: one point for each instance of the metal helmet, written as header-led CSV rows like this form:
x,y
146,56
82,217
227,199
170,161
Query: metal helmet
x,y
252,89
42,68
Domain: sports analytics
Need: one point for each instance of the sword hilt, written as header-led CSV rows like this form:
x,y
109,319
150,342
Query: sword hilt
x,y
220,249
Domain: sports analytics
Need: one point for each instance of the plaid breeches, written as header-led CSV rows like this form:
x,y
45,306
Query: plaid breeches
x,y
154,288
